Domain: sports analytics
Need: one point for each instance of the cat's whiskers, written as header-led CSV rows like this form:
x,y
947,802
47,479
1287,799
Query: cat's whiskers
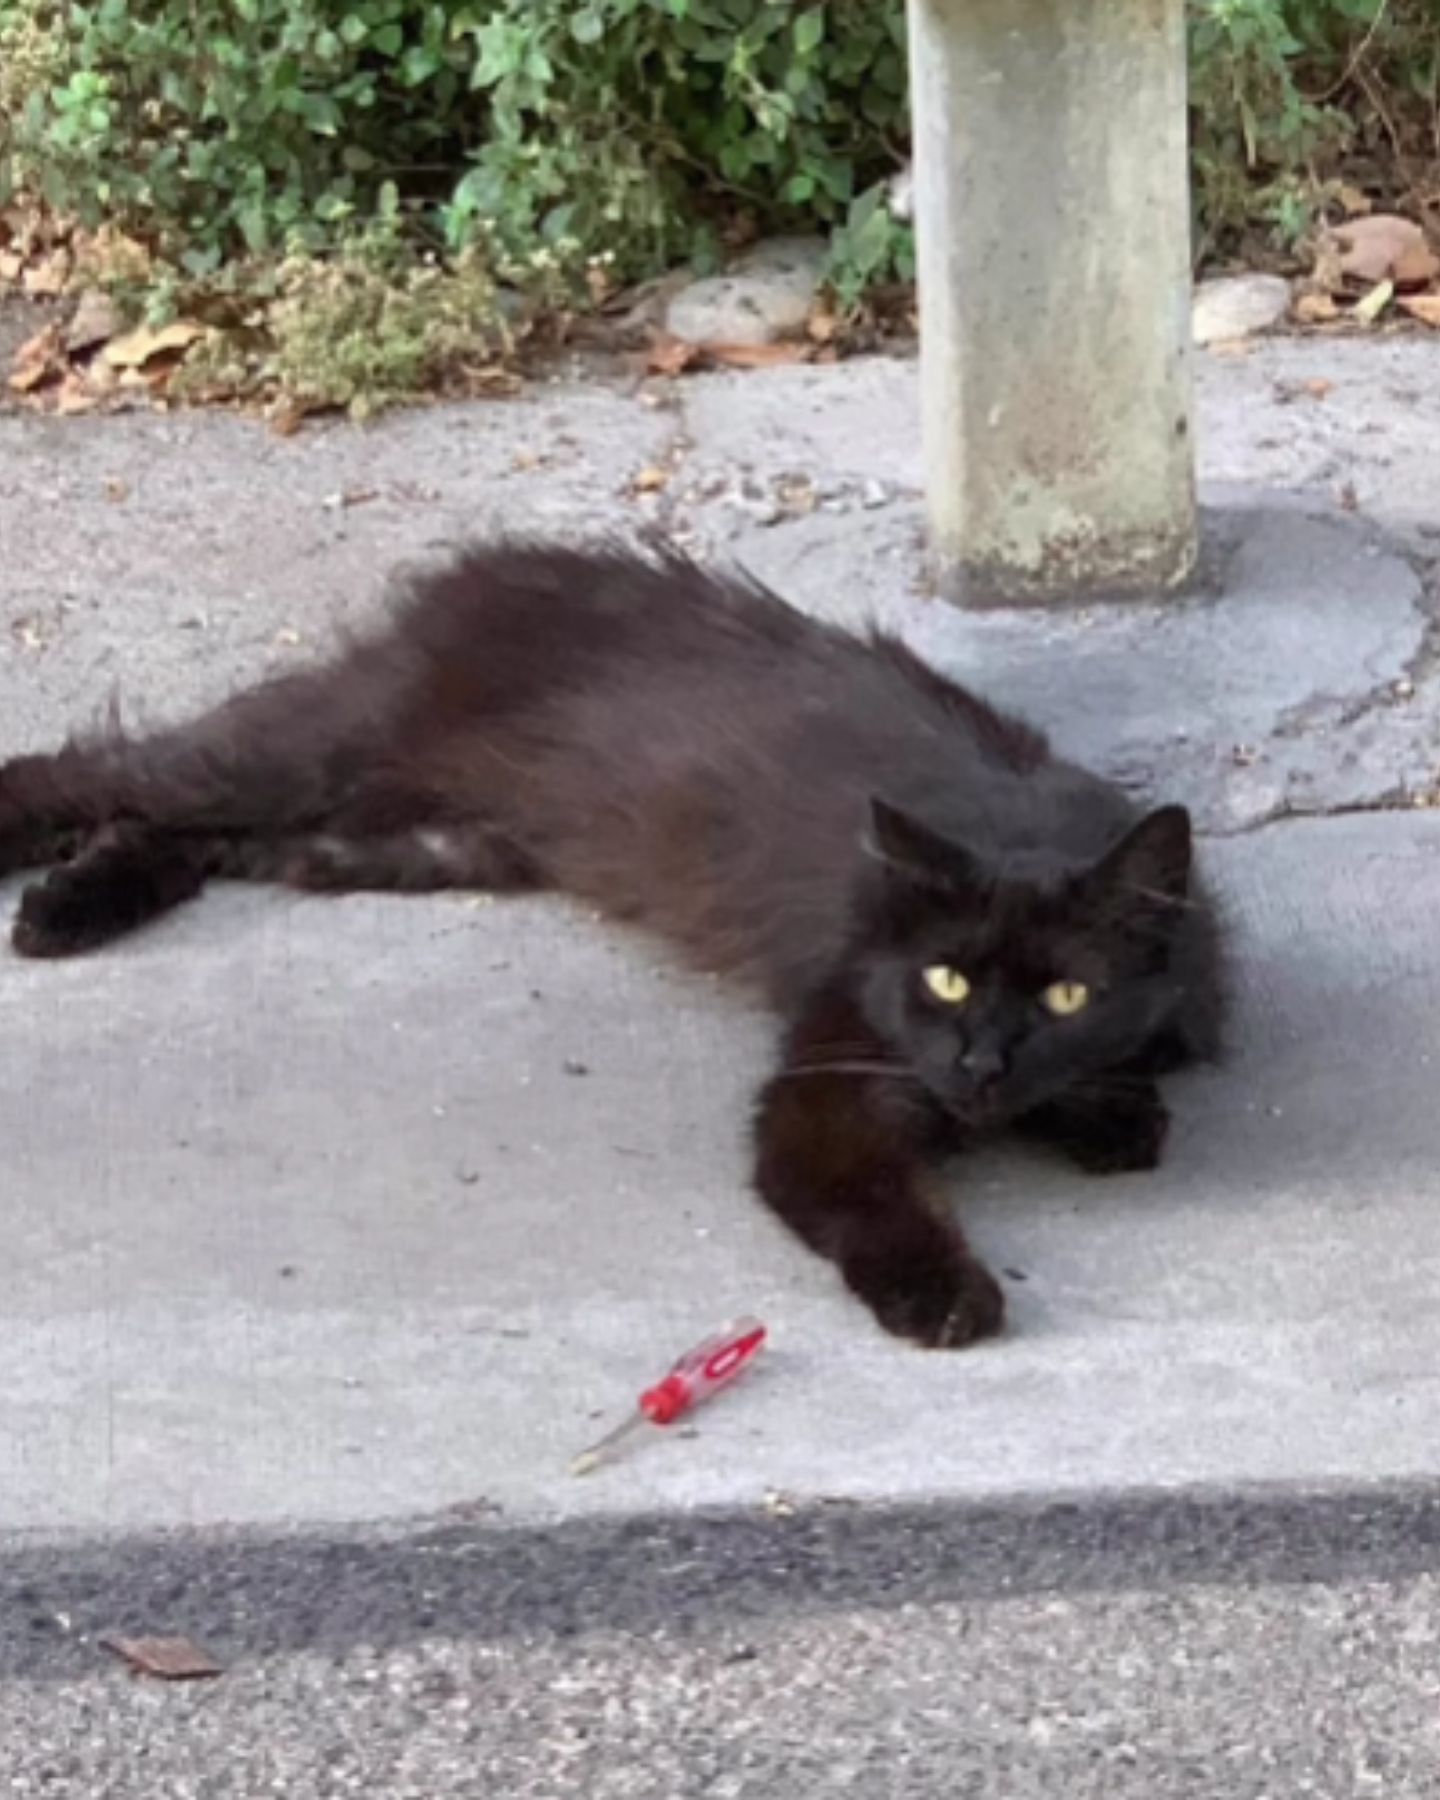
x,y
896,1071
1099,1091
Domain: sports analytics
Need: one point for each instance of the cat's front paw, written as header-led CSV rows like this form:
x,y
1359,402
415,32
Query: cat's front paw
x,y
941,1305
1130,1140
1118,1133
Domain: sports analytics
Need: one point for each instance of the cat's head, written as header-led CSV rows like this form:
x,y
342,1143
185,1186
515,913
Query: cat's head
x,y
1000,986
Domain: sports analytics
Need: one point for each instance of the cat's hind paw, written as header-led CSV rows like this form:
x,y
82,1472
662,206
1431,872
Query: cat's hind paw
x,y
119,883
56,919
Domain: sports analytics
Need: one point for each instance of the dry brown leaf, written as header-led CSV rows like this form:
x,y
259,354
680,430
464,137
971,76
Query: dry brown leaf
x,y
1327,276
145,343
649,480
757,356
286,417
38,360
822,325
492,380
1375,248
46,279
1318,388
1353,199
168,1658
1316,309
11,265
671,355
108,254
1424,307
74,395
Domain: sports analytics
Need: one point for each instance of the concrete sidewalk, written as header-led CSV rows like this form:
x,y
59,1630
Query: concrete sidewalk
x,y
327,1210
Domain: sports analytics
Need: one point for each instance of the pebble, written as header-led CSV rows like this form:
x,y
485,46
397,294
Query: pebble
x,y
1237,306
765,296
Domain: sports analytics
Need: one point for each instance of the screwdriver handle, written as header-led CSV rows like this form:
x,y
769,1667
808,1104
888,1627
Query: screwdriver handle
x,y
710,1366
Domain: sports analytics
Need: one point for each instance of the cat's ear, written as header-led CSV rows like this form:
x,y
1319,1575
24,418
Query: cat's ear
x,y
1151,863
914,850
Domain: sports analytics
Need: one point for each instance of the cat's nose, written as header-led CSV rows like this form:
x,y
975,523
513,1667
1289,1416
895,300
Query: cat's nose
x,y
984,1067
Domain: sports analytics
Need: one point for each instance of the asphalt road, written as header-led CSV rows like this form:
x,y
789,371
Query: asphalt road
x,y
1264,1646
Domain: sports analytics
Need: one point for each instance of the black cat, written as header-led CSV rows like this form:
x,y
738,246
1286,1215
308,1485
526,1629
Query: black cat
x,y
960,931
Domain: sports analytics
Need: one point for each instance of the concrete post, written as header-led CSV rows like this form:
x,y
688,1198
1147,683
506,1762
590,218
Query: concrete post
x,y
1053,235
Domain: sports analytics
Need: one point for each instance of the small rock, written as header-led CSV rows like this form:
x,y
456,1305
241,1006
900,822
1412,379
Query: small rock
x,y
900,194
753,498
796,260
1235,306
767,295
796,494
96,321
1383,247
875,494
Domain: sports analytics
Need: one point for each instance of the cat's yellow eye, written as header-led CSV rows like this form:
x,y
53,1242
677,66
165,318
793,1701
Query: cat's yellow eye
x,y
1066,998
947,984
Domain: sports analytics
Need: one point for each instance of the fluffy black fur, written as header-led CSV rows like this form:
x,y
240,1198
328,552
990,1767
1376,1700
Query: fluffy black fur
x,y
819,815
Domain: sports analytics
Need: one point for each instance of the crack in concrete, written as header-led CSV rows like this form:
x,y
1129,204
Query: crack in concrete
x,y
1395,800
1326,711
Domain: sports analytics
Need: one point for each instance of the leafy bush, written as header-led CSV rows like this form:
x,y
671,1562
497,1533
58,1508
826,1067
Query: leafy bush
x,y
643,126
1288,95
545,131
542,135
242,125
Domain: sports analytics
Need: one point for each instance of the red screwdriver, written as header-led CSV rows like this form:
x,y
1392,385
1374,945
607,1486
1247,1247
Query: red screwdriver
x,y
699,1373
